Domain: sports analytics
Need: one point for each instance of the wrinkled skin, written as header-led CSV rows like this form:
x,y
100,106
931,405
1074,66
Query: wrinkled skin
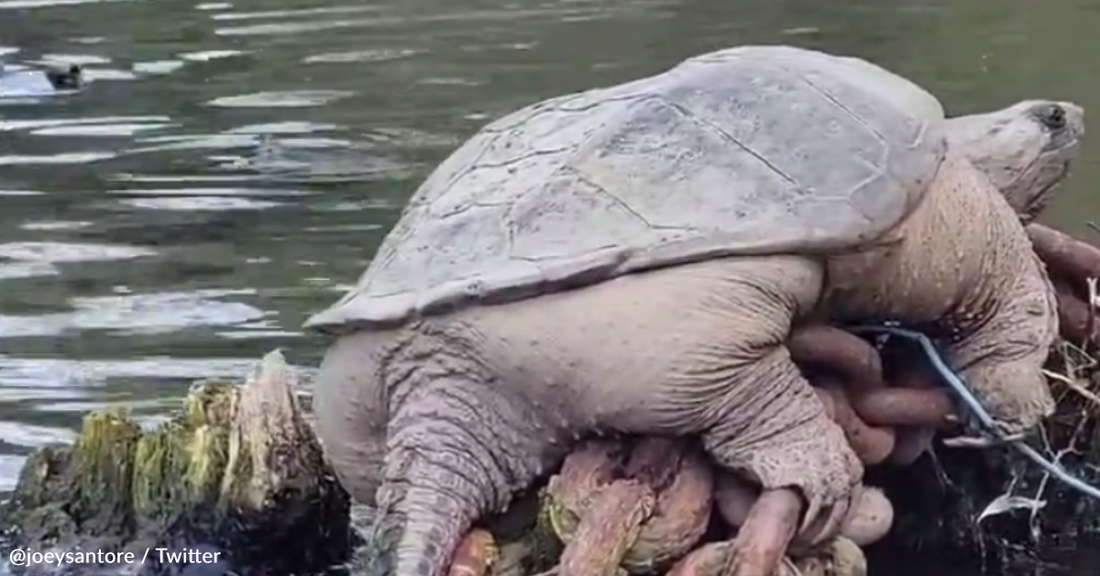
x,y
441,421
1024,149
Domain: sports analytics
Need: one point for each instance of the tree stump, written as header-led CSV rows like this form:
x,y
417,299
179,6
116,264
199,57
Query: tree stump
x,y
239,472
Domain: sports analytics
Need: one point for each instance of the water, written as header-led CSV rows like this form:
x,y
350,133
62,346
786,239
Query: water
x,y
144,242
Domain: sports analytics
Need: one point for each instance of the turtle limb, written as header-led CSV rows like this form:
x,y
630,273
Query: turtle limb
x,y
1001,359
455,452
790,447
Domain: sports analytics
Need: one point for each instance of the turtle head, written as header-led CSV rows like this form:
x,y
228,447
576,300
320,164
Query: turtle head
x,y
1025,149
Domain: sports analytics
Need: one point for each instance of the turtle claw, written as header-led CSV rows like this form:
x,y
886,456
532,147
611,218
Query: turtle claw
x,y
821,523
810,515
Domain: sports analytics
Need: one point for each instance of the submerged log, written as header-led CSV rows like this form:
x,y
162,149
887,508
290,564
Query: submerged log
x,y
238,474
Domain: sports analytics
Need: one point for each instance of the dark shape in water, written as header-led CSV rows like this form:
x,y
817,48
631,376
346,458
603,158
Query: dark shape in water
x,y
65,78
22,81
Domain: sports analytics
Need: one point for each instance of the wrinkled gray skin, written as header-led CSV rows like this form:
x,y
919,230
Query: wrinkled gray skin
x,y
441,419
1024,149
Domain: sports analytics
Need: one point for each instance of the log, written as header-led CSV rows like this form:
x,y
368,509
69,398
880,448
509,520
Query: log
x,y
1065,255
634,503
238,472
868,520
476,554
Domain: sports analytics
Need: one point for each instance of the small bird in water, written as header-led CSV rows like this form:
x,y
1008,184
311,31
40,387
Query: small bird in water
x,y
16,80
65,78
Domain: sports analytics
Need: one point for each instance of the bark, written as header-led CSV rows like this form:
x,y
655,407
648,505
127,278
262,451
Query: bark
x,y
238,472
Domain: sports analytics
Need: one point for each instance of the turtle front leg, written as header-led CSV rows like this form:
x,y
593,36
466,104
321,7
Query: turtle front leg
x,y
783,440
1001,359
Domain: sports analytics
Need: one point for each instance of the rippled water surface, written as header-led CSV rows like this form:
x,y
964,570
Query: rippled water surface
x,y
232,165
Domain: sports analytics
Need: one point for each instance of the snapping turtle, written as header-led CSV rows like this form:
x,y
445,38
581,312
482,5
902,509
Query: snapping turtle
x,y
632,259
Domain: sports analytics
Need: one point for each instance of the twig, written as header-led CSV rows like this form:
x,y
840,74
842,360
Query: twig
x,y
1090,322
1074,385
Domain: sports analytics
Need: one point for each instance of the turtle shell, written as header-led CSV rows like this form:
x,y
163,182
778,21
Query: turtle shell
x,y
744,151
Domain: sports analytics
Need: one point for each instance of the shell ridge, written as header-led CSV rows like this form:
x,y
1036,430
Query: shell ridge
x,y
679,167
687,114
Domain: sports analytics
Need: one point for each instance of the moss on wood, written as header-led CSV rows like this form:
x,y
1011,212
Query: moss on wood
x,y
238,469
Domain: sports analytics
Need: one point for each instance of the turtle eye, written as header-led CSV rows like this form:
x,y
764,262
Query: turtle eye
x,y
1053,116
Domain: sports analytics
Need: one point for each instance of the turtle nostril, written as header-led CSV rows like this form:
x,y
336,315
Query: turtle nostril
x,y
1053,117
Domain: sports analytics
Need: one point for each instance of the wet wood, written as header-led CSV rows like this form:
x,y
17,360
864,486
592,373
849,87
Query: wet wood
x,y
1065,255
905,407
853,360
871,444
678,480
474,555
1076,322
869,518
682,478
708,560
762,541
607,530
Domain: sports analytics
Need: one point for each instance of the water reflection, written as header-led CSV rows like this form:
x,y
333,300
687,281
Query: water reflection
x,y
231,165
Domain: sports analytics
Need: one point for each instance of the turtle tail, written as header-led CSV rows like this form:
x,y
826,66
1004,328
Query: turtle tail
x,y
456,450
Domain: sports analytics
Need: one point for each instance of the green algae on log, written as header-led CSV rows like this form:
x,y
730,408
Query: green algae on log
x,y
239,470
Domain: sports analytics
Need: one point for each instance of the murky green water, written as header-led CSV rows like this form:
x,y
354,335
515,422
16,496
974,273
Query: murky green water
x,y
143,243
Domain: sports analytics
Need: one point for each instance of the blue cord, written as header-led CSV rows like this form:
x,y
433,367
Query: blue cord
x,y
956,383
